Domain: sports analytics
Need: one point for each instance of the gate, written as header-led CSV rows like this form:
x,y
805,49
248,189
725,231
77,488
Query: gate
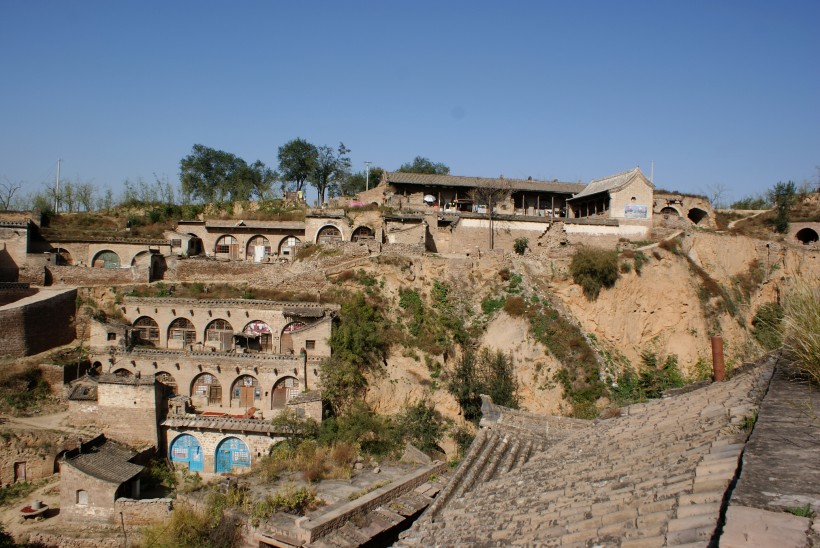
x,y
186,449
232,453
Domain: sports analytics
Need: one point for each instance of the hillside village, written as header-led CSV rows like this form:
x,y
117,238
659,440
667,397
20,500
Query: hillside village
x,y
429,347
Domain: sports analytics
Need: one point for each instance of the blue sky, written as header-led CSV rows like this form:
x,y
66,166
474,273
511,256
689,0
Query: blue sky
x,y
715,93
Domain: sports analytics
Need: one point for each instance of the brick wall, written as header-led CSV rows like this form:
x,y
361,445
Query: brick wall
x,y
127,412
138,513
101,507
87,276
13,244
37,323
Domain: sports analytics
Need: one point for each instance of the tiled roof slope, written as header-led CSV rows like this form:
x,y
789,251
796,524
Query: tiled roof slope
x,y
613,182
108,461
474,182
654,476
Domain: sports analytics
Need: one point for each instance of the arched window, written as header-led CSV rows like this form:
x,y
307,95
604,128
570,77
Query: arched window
x,y
185,449
227,245
258,336
363,233
207,386
258,248
670,211
146,331
287,244
106,259
168,380
286,340
219,335
328,234
181,333
283,391
245,391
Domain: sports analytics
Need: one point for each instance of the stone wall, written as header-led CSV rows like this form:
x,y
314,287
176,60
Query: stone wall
x,y
406,233
101,507
13,245
86,276
139,513
37,323
83,253
62,541
28,456
127,412
637,193
473,234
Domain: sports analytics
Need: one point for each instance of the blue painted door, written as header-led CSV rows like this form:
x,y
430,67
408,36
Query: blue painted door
x,y
232,453
186,449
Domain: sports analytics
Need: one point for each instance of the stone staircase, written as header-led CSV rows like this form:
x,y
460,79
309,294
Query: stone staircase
x,y
656,476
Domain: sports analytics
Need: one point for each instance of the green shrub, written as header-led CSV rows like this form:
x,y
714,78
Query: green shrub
x,y
767,326
640,260
594,269
650,381
520,245
801,328
490,305
421,425
485,372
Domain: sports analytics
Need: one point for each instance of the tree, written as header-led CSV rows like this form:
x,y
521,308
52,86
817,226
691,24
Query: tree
x,y
783,197
357,182
7,192
421,164
489,373
490,195
297,162
332,168
85,195
215,175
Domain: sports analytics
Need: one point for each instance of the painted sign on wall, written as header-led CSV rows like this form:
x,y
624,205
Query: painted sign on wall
x,y
635,211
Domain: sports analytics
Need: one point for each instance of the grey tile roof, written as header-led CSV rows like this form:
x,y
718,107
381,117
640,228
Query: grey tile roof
x,y
221,424
474,182
83,392
613,182
111,378
306,397
108,461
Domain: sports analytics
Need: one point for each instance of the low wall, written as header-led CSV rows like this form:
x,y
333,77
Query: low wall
x,y
138,513
37,323
86,276
62,541
313,529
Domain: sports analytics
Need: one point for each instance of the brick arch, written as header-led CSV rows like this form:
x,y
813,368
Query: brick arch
x,y
181,333
287,244
227,245
246,391
167,379
187,449
123,372
285,340
329,233
363,232
257,335
62,256
207,386
147,330
283,390
219,334
141,259
669,210
105,258
256,242
231,453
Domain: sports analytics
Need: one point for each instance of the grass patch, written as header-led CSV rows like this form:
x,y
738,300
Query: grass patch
x,y
801,328
594,269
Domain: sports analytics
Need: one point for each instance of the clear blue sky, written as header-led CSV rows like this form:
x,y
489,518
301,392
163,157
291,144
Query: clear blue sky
x,y
714,92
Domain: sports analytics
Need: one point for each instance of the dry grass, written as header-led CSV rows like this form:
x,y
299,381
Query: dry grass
x,y
801,323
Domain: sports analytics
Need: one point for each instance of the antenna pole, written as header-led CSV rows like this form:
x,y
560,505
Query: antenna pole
x,y
652,173
57,189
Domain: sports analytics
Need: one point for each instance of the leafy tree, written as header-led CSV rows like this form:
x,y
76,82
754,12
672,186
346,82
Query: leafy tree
x,y
421,164
297,162
85,195
332,168
489,373
215,175
783,197
422,425
357,182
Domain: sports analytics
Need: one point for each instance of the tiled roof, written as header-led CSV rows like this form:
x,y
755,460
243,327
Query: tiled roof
x,y
654,476
222,424
111,378
305,397
83,392
108,462
613,182
474,182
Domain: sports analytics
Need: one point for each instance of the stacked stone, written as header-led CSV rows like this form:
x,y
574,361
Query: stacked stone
x,y
656,476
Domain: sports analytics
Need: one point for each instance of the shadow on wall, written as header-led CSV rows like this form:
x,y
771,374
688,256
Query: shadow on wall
x,y
9,271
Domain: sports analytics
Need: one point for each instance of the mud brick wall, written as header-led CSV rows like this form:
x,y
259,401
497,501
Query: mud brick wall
x,y
86,276
138,513
127,412
101,507
13,244
37,323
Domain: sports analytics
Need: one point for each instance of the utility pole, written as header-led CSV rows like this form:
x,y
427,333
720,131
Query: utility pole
x,y
367,176
57,189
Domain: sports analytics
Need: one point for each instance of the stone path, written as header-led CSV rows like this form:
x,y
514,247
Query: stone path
x,y
656,476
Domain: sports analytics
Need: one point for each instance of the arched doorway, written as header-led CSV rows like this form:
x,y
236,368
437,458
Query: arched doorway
x,y
219,335
168,380
122,372
806,236
671,211
186,450
142,261
246,392
363,233
232,453
206,389
257,336
286,340
258,249
106,259
194,245
287,244
181,333
697,215
283,391
145,332
227,246
62,257
328,234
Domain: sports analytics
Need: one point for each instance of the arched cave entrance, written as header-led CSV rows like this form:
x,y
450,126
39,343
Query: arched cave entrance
x,y
806,236
697,215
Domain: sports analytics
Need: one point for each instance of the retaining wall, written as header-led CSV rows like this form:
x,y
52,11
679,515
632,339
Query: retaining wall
x,y
37,323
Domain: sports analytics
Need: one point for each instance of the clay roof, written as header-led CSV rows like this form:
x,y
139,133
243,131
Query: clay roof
x,y
474,182
222,424
108,461
654,476
612,183
83,392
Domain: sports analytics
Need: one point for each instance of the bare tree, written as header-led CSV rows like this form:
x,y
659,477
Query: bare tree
x,y
716,193
7,191
491,195
85,195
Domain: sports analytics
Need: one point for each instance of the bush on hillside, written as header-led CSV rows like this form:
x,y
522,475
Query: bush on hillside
x,y
801,328
485,372
767,326
593,269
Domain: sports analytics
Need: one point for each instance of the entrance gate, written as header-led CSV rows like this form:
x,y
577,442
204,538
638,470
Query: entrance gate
x,y
186,449
232,453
